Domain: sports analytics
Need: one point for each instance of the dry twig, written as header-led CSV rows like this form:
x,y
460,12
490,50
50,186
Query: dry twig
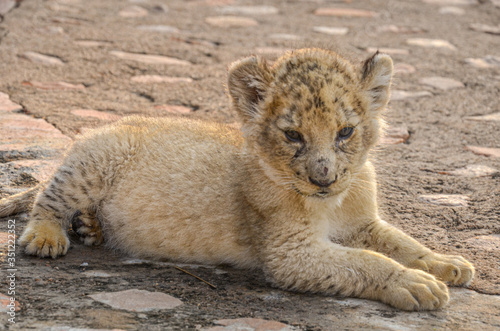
x,y
204,281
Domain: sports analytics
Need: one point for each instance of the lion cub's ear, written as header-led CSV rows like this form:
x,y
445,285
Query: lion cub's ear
x,y
376,77
248,81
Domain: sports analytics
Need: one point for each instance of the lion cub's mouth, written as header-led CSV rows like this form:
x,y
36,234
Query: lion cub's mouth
x,y
322,194
325,193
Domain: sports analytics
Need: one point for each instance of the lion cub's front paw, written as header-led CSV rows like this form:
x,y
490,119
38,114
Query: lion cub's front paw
x,y
452,269
44,239
411,289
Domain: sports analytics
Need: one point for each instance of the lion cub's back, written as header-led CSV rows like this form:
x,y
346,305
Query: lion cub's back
x,y
188,153
152,144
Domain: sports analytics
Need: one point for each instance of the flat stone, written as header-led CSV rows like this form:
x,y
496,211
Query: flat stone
x,y
139,261
231,21
217,2
472,170
70,2
97,273
390,51
344,12
275,296
448,200
133,11
434,43
103,116
272,51
400,29
450,10
467,310
486,243
23,132
59,7
331,30
21,126
29,145
147,79
50,30
248,10
149,59
42,170
398,95
6,6
7,305
451,2
210,3
70,328
158,28
395,135
41,58
53,85
485,28
441,83
137,300
6,105
485,118
478,63
487,62
92,43
174,109
248,324
4,238
484,151
284,36
401,68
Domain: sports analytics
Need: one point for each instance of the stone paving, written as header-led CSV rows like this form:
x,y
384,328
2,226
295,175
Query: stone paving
x,y
67,66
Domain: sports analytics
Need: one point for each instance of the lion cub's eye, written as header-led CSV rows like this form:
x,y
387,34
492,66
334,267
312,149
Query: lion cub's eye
x,y
346,132
293,136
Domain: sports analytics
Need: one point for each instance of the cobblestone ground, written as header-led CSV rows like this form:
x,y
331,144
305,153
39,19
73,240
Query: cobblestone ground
x,y
67,66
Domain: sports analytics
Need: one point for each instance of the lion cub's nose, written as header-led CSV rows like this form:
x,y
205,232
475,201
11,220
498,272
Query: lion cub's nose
x,y
323,183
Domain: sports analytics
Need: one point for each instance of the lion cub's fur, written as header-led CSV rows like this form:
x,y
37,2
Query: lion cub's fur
x,y
293,194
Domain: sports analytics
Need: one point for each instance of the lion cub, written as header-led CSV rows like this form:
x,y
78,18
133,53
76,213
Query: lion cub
x,y
292,194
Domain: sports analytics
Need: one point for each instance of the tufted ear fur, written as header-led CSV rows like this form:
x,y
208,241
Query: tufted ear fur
x,y
376,77
248,81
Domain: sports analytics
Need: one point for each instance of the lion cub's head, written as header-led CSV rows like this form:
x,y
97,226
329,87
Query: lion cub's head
x,y
312,117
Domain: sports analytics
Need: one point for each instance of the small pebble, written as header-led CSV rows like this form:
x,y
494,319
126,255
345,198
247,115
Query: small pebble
x,y
442,83
433,43
344,12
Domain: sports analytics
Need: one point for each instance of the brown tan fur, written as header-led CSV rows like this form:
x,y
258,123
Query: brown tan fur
x,y
293,194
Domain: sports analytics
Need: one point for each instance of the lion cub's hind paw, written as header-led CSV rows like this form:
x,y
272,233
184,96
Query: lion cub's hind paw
x,y
88,228
45,239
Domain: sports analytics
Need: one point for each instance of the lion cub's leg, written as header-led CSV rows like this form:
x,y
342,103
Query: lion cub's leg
x,y
384,238
72,188
320,266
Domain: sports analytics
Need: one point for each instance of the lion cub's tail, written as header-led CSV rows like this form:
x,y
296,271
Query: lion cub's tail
x,y
18,203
